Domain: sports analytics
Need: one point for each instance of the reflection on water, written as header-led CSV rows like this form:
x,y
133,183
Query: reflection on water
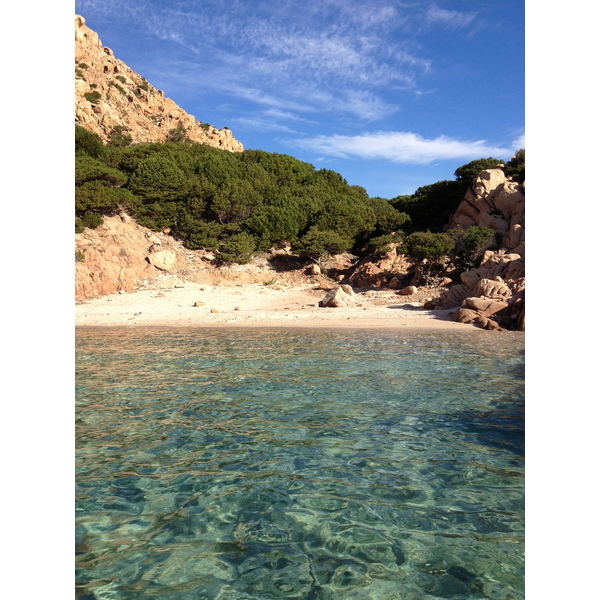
x,y
299,464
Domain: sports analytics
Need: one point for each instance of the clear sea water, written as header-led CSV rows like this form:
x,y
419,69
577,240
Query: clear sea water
x,y
308,464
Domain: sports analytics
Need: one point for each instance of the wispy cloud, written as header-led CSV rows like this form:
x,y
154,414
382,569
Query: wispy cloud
x,y
332,55
400,147
450,18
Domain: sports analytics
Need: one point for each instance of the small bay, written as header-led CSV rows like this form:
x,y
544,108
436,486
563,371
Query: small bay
x,y
309,464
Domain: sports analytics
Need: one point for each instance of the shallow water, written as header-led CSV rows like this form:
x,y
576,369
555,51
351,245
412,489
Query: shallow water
x,y
257,464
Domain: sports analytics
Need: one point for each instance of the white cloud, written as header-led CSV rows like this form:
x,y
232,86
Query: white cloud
x,y
401,147
451,18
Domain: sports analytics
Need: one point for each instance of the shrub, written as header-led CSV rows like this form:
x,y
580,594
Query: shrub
x,y
87,142
82,65
79,75
468,172
116,85
90,220
238,248
79,255
121,78
471,243
178,134
515,167
320,245
93,97
427,245
143,85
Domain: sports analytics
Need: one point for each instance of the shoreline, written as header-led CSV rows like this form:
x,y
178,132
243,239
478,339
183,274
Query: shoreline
x,y
255,306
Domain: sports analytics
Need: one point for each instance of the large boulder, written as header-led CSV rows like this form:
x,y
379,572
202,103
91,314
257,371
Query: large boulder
x,y
339,297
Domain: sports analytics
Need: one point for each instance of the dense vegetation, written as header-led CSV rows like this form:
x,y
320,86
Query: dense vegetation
x,y
241,203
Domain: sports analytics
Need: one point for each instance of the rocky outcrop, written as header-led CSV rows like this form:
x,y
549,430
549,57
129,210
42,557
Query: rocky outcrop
x,y
496,202
109,95
117,255
495,290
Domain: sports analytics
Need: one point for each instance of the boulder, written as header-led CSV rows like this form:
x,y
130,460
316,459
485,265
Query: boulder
x,y
409,290
339,297
165,260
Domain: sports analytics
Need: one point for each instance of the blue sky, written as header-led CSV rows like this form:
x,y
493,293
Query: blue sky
x,y
393,95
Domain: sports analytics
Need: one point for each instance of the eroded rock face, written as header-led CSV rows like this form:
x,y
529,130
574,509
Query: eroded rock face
x,y
495,202
116,256
127,100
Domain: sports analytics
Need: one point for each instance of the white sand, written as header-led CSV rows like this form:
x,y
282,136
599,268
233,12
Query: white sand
x,y
256,305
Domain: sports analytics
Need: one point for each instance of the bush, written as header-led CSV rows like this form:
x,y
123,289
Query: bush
x,y
515,167
471,243
116,85
468,172
93,97
320,245
427,245
121,78
89,219
178,134
87,142
79,255
238,248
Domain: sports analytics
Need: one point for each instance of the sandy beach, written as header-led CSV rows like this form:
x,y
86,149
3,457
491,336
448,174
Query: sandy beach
x,y
256,305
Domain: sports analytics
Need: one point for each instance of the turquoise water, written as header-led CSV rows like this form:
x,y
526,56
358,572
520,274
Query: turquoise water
x,y
259,464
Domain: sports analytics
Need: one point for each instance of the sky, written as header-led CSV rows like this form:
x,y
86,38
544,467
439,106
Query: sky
x,y
391,94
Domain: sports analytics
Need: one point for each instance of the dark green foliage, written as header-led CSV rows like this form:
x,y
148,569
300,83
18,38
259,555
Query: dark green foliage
x,y
96,196
158,179
380,245
515,167
88,168
431,205
79,256
237,248
82,65
93,97
427,245
468,172
387,217
87,142
88,219
121,78
79,75
143,85
471,243
319,245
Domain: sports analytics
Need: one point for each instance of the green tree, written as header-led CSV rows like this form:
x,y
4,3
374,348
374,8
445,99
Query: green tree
x,y
515,167
88,143
468,172
237,248
427,245
158,179
320,245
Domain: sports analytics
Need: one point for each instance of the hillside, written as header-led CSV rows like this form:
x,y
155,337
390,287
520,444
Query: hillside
x,y
110,98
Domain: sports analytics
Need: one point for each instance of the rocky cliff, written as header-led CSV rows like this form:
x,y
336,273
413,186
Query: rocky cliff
x,y
110,97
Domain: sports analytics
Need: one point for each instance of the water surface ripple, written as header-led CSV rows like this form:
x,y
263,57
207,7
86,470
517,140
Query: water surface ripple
x,y
258,464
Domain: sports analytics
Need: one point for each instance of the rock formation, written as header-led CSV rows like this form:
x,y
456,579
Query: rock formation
x,y
109,95
118,254
493,294
496,202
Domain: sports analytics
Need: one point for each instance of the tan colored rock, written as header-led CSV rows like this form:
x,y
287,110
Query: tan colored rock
x,y
165,260
142,109
338,298
409,290
492,289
